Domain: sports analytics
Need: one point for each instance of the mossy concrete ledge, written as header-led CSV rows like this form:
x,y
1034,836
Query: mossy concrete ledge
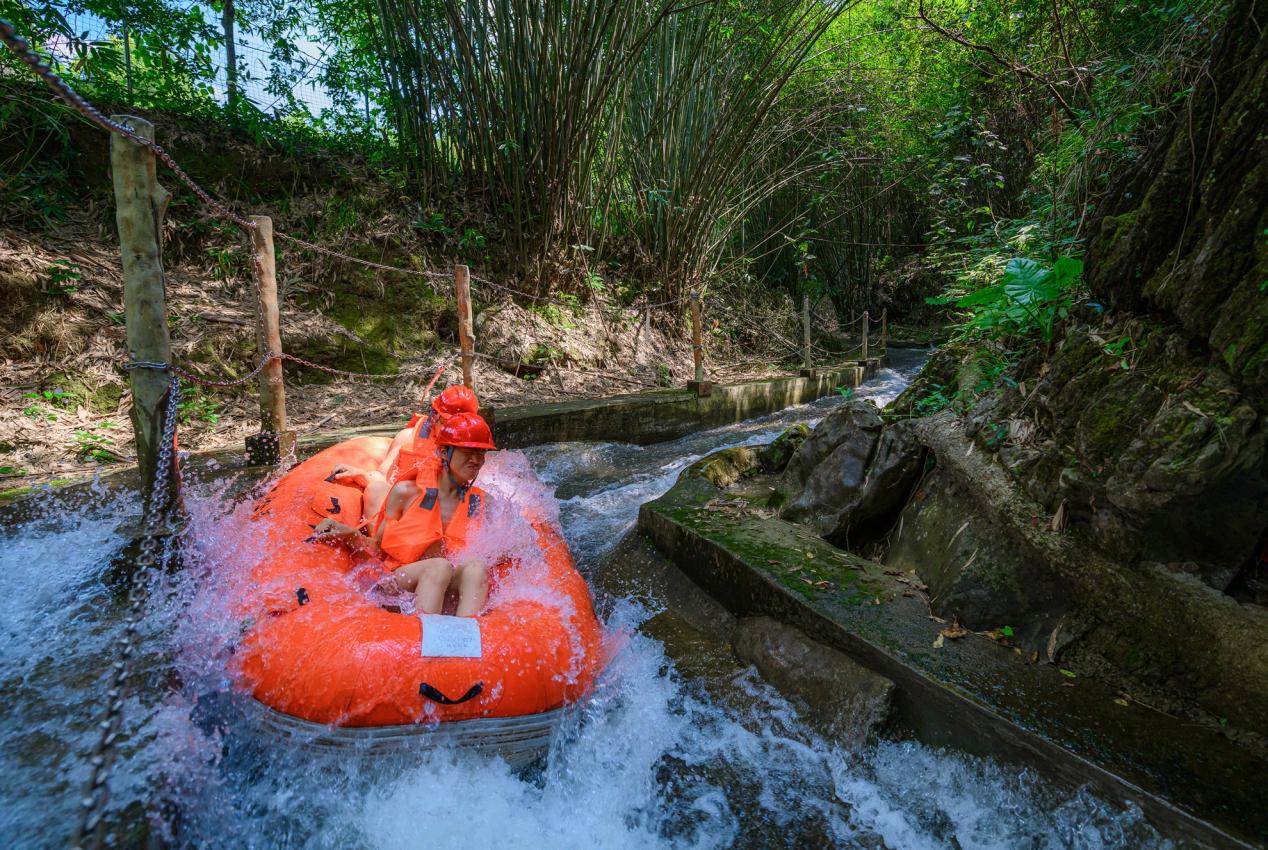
x,y
647,417
969,693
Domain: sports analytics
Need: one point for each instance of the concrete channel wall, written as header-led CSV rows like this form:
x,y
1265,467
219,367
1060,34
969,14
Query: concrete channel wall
x,y
971,694
647,417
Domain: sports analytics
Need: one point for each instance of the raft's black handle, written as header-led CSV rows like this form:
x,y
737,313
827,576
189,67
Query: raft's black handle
x,y
435,695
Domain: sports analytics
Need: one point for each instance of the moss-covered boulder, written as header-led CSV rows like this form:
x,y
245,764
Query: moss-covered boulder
x,y
775,455
724,468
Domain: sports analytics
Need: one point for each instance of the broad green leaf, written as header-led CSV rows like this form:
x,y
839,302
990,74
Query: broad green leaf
x,y
1028,281
985,295
1067,270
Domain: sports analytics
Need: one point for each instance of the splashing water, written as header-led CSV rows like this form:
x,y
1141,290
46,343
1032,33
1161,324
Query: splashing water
x,y
657,757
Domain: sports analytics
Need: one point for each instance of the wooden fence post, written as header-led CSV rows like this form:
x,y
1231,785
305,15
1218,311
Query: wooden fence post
x,y
808,370
867,323
466,335
699,386
274,440
885,331
140,203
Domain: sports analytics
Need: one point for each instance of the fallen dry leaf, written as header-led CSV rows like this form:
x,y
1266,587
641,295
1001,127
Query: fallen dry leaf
x,y
1192,409
954,631
1059,518
938,641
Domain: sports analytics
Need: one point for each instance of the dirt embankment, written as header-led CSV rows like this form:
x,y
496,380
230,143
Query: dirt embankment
x,y
63,401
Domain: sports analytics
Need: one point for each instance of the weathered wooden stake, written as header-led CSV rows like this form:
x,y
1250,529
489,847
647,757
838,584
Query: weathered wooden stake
x,y
885,330
867,322
140,203
808,370
699,386
466,334
274,440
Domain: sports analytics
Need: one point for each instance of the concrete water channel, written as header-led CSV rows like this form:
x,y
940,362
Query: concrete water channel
x,y
680,746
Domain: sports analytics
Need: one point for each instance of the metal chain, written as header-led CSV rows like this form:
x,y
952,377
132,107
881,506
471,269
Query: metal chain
x,y
41,69
31,59
343,373
338,255
149,560
193,377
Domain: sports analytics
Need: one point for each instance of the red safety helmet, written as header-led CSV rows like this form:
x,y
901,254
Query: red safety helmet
x,y
454,400
465,431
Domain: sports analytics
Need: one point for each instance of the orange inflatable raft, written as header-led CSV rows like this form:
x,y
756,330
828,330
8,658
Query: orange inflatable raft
x,y
322,649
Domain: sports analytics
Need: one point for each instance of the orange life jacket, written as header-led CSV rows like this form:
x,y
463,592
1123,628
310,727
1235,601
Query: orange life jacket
x,y
419,527
416,459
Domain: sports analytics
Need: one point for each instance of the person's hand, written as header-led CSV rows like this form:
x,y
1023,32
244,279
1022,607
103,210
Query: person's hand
x,y
343,472
329,529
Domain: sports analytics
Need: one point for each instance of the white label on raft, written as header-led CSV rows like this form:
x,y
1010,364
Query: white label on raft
x,y
450,637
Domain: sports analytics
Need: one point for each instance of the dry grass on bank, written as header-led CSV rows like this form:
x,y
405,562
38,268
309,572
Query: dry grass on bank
x,y
63,401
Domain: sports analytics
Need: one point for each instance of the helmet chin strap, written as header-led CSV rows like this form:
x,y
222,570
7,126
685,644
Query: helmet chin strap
x,y
462,488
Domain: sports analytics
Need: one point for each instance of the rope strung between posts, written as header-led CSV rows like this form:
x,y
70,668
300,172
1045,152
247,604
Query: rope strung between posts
x,y
149,562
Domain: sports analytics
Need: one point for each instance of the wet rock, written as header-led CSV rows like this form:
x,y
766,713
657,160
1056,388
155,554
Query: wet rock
x,y
857,424
853,495
975,573
774,457
845,700
895,468
828,472
724,468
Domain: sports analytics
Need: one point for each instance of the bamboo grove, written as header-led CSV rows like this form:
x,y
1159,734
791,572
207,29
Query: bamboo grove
x,y
871,151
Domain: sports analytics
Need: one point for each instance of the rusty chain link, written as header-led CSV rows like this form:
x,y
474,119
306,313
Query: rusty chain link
x,y
41,69
195,378
90,112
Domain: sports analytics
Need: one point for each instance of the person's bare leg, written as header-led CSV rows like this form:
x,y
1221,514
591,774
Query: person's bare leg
x,y
429,580
400,441
472,578
376,490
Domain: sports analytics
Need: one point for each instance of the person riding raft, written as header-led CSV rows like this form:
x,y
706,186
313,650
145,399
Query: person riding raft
x,y
412,446
427,519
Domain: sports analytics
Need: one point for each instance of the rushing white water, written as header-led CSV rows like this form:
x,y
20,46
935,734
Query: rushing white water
x,y
656,758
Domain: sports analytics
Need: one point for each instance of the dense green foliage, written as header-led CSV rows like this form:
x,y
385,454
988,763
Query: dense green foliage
x,y
881,153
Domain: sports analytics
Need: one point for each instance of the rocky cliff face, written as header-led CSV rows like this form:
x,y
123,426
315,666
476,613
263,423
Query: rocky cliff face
x,y
1111,490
